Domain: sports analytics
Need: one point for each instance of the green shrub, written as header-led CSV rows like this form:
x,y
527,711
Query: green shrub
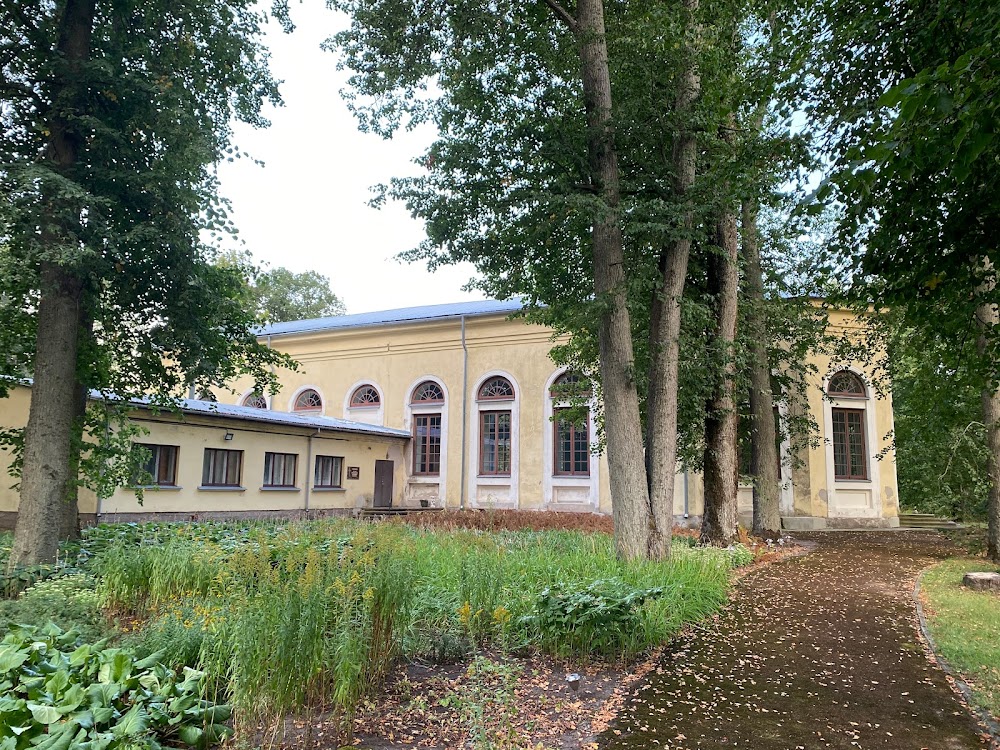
x,y
599,618
70,602
57,693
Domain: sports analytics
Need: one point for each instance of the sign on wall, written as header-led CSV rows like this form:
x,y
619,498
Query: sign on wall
x,y
354,472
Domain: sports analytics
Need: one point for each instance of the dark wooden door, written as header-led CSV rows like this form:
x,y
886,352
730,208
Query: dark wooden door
x,y
383,484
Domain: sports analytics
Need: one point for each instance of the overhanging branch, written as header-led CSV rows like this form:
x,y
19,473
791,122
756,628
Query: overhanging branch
x,y
564,15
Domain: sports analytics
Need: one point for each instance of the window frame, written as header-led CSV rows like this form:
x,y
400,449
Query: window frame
x,y
844,444
300,409
495,452
352,404
253,395
269,458
573,428
156,450
844,394
339,485
239,470
414,401
509,396
426,442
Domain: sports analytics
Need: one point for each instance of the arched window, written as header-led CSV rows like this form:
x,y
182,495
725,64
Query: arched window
x,y
427,428
848,433
255,400
427,392
846,384
571,429
496,389
365,397
309,400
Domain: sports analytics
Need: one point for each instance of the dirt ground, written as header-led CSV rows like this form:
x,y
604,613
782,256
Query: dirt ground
x,y
819,651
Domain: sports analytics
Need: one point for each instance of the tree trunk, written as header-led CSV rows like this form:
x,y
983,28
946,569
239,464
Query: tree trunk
x,y
46,476
622,423
665,321
987,318
721,467
763,438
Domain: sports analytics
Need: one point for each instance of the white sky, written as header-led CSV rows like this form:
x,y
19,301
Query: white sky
x,y
306,209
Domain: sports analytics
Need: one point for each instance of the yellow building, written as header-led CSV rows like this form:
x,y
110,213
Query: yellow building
x,y
454,405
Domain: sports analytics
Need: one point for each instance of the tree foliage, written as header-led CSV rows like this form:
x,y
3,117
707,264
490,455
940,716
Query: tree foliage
x,y
114,116
281,295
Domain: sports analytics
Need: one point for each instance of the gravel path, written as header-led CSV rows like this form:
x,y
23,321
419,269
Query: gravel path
x,y
819,651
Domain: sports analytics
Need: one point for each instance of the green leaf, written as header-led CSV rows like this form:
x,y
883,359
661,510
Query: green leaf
x,y
12,657
191,735
44,714
132,724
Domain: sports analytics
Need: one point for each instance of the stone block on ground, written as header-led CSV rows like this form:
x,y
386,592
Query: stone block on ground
x,y
982,581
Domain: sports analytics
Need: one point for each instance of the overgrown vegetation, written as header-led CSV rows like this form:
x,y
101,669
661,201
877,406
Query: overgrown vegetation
x,y
965,626
57,691
288,618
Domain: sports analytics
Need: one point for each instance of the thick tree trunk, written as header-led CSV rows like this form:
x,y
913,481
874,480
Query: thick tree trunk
x,y
665,321
987,317
47,474
46,477
721,467
763,438
622,423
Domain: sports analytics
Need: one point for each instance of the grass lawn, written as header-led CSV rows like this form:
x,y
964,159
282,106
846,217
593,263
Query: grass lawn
x,y
965,626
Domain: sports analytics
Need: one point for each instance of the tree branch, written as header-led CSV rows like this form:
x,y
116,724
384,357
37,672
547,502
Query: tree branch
x,y
564,15
25,92
31,32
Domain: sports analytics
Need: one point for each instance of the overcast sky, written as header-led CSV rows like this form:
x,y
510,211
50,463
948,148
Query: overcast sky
x,y
305,209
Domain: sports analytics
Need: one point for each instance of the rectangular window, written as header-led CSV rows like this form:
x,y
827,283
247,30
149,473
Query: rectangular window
x,y
572,447
850,453
329,471
222,468
161,465
494,443
427,444
279,469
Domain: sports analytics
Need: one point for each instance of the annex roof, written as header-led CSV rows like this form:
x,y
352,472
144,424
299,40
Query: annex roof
x,y
449,311
252,414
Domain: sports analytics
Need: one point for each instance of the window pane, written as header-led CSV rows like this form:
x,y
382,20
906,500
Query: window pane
x,y
427,444
328,471
487,446
581,450
503,442
222,467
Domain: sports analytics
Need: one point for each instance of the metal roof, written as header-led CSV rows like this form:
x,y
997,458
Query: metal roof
x,y
291,419
248,413
453,310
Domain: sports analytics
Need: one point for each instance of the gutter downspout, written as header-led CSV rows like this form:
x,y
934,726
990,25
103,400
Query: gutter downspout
x,y
465,415
309,460
686,493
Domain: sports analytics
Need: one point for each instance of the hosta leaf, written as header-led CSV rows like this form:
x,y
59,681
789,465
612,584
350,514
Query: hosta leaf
x,y
103,714
72,699
132,724
11,657
150,661
44,714
191,735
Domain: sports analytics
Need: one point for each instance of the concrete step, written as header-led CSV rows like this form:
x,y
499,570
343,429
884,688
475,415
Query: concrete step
x,y
925,521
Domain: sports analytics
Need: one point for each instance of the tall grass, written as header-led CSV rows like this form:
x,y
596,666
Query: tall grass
x,y
314,614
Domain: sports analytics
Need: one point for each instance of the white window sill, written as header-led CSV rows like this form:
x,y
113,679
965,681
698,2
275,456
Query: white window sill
x,y
154,487
221,488
329,489
279,489
852,481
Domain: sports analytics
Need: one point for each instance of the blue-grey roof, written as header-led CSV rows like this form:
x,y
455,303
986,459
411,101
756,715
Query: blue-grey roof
x,y
453,310
291,419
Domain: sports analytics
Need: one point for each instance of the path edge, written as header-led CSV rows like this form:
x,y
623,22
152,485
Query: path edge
x,y
959,685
